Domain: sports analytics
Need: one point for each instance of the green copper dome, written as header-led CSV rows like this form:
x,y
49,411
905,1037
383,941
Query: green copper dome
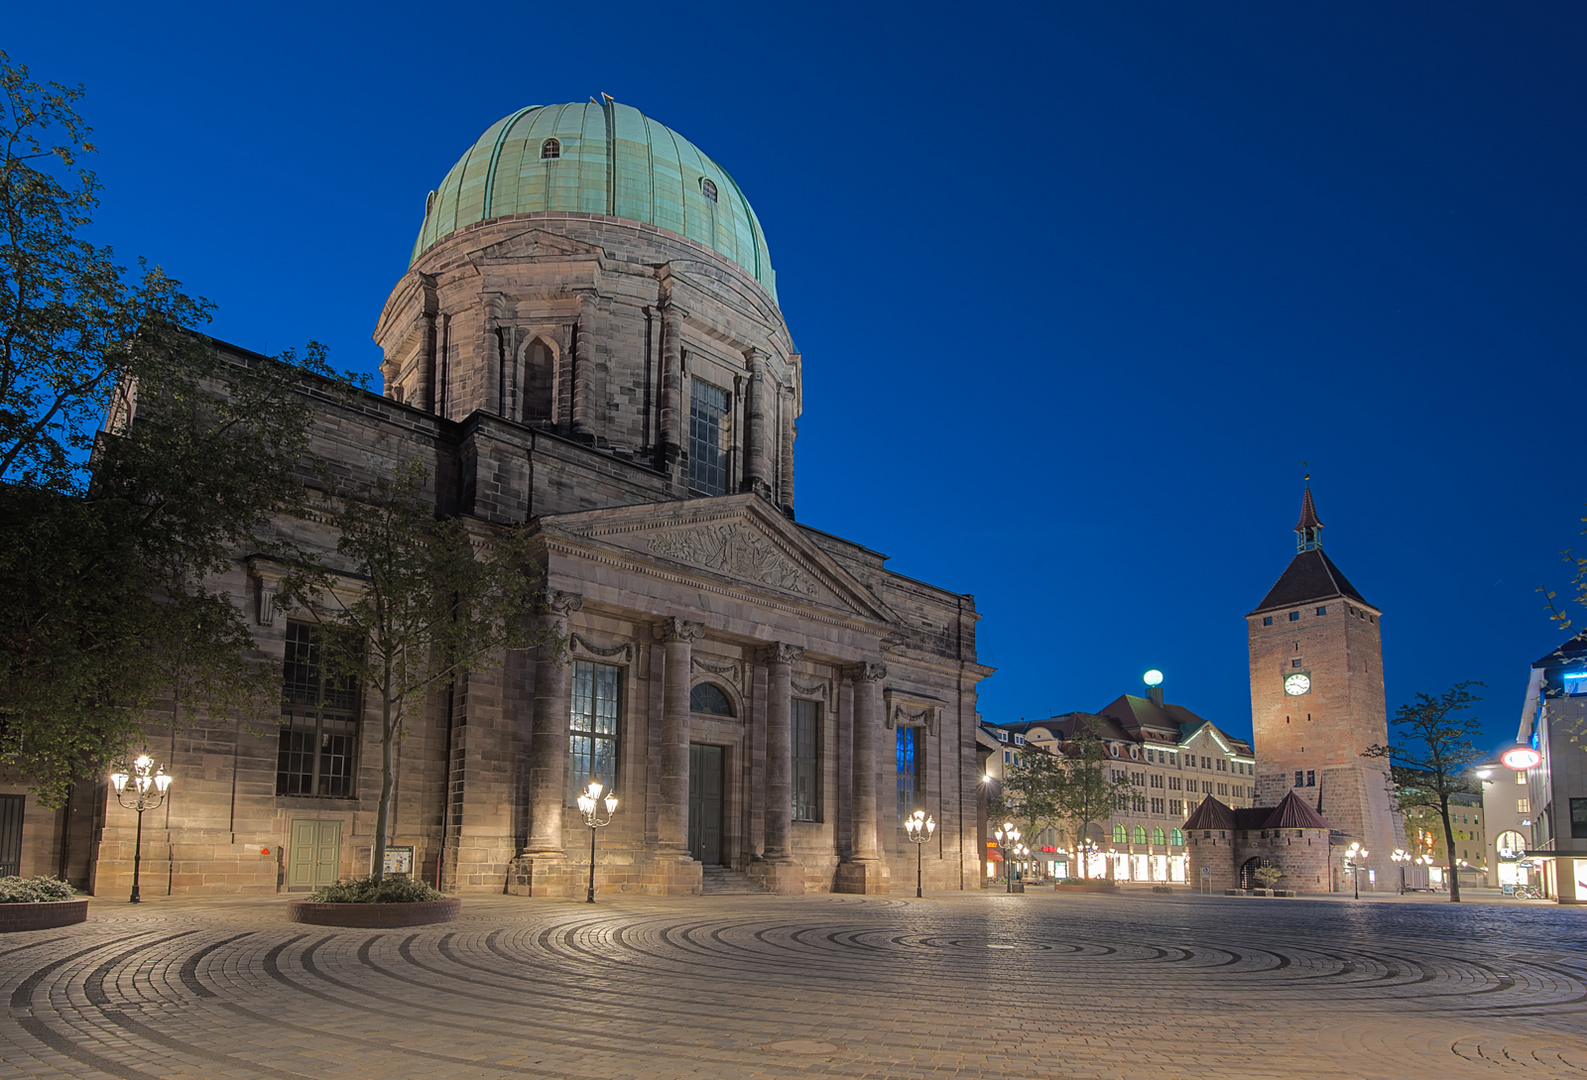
x,y
598,159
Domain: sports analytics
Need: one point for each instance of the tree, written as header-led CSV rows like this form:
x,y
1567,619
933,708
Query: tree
x,y
110,538
412,601
1090,790
1432,762
1029,795
1268,875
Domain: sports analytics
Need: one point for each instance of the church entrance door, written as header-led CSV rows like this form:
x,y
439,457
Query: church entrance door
x,y
705,803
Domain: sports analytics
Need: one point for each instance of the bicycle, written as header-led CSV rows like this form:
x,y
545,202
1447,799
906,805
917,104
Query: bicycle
x,y
1526,892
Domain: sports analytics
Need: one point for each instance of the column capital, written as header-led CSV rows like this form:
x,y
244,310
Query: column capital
x,y
755,359
866,672
779,653
561,603
676,629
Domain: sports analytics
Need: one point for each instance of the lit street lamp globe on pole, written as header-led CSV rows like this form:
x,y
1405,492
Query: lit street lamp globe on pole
x,y
590,805
1354,852
1007,836
919,827
1401,857
143,789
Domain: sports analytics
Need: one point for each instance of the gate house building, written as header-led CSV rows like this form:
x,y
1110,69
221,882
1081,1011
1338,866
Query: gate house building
x,y
588,339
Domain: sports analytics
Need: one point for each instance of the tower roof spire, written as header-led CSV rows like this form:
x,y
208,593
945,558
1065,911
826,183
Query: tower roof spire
x,y
1308,530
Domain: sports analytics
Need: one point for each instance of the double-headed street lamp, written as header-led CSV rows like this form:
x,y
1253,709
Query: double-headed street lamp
x,y
1354,852
590,804
1007,837
149,783
919,827
1401,856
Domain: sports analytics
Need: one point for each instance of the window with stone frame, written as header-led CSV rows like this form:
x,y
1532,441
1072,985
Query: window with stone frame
x,y
806,716
710,699
592,726
317,753
550,150
708,438
911,752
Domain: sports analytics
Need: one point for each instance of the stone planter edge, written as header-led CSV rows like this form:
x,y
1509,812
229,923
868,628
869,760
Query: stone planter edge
x,y
42,914
374,916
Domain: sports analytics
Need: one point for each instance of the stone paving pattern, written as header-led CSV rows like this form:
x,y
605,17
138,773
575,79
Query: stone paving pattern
x,y
846,986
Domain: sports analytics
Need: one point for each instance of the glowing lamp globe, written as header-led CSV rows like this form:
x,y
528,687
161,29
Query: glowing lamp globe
x,y
1153,678
1520,758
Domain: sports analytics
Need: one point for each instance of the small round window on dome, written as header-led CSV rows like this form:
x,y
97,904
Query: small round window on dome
x,y
550,150
709,188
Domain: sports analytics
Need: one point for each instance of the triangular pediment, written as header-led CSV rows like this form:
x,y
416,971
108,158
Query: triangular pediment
x,y
537,243
736,538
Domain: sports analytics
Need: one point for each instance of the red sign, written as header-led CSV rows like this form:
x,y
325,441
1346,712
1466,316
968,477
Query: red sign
x,y
1051,849
1520,758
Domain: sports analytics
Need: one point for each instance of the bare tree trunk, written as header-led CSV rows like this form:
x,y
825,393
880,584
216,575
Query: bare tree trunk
x,y
1449,846
383,815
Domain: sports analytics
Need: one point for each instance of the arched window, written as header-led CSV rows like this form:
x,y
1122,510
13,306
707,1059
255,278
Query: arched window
x,y
1178,838
1140,834
1157,834
1120,835
709,699
539,383
550,150
709,188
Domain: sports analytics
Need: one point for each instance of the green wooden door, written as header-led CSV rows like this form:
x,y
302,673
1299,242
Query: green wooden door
x,y
705,803
315,855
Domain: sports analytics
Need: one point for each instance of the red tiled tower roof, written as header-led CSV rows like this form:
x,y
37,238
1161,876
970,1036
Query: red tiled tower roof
x,y
1308,513
1294,813
1210,814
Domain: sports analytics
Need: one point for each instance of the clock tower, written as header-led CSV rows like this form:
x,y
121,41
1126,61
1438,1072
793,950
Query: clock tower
x,y
1317,698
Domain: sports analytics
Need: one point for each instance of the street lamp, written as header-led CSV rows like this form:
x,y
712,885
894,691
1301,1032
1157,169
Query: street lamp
x,y
919,827
149,783
1007,836
590,804
1401,856
1354,852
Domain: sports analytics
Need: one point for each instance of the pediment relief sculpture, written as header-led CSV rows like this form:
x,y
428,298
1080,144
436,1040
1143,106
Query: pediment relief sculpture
x,y
735,549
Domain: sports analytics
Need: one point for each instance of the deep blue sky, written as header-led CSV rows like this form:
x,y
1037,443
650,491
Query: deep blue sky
x,y
1076,288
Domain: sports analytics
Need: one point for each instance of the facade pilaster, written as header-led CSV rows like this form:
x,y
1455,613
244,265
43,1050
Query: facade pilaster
x,y
785,468
777,871
672,405
757,451
674,872
539,870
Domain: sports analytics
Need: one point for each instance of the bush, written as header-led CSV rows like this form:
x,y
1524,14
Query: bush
x,y
392,889
17,890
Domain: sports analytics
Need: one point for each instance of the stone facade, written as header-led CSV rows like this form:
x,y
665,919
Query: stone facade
x,y
1227,845
1317,700
541,368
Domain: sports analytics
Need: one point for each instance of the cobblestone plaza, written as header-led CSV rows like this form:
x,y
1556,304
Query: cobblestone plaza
x,y
848,986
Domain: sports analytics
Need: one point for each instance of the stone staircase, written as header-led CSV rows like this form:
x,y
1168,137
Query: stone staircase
x,y
724,881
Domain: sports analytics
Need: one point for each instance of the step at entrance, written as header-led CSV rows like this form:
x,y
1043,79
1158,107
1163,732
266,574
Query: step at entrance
x,y
722,881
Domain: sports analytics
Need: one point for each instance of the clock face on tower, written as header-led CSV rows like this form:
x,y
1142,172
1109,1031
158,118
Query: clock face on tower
x,y
1297,684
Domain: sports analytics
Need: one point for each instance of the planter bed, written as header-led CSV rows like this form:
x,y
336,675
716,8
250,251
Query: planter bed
x,y
374,916
1100,887
42,914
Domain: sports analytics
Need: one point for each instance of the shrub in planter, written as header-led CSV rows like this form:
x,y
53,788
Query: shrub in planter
x,y
39,890
392,901
391,889
38,904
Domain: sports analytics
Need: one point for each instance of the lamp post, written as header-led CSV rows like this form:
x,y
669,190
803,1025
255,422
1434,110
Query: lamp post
x,y
1401,857
1007,836
919,827
590,804
1354,852
149,784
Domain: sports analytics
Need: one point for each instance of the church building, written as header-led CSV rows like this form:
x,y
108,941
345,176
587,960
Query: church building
x,y
588,339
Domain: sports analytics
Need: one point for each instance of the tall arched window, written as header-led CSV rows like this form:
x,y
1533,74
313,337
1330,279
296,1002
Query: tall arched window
x,y
1120,835
1178,837
1140,834
709,699
540,372
550,150
1157,834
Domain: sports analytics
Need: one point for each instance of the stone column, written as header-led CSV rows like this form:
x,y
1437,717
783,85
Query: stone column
x,y
779,746
672,816
539,869
865,872
583,364
672,404
785,470
756,444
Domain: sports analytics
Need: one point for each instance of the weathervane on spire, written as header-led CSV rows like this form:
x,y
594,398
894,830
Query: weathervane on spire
x,y
1308,530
